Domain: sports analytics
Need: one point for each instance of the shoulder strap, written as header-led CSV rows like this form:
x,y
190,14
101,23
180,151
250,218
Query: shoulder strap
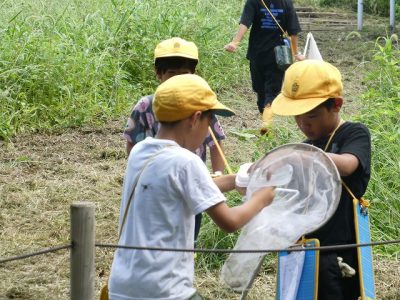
x,y
276,21
134,187
333,133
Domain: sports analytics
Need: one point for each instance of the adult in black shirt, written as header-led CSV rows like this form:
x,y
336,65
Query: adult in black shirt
x,y
311,93
265,35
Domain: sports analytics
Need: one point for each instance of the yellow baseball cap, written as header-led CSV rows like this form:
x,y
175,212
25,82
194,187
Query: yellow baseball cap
x,y
306,85
176,47
182,95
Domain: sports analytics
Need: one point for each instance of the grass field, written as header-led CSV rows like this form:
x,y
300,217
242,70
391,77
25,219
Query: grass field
x,y
83,62
69,75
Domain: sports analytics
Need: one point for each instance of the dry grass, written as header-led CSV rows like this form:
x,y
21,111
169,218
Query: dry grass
x,y
42,174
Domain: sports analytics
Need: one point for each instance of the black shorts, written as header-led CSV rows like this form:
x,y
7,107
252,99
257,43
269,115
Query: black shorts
x,y
332,286
266,80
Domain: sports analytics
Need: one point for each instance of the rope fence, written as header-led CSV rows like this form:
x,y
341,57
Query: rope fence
x,y
296,248
40,252
83,246
202,250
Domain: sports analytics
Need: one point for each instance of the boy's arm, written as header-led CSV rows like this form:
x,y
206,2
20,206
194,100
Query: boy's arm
x,y
234,44
225,183
217,163
355,153
346,163
295,48
231,219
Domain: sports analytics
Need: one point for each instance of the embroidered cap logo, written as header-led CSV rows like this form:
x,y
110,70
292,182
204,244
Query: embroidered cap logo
x,y
295,87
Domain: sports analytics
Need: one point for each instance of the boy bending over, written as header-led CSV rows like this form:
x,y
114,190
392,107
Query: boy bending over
x,y
163,207
312,93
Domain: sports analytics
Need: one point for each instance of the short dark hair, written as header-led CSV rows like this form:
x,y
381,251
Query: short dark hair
x,y
207,113
329,103
162,64
204,114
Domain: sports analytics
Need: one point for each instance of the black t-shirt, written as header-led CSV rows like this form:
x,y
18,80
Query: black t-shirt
x,y
353,138
265,33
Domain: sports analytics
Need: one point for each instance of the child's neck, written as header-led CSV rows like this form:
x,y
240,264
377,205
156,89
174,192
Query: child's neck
x,y
338,123
335,126
176,133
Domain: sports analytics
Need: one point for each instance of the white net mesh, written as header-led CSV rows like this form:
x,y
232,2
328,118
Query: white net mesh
x,y
307,193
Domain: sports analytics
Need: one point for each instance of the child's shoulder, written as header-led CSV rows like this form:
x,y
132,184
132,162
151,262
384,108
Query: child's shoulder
x,y
355,126
168,148
144,104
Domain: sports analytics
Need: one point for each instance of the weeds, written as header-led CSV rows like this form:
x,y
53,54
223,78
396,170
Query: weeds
x,y
86,62
381,113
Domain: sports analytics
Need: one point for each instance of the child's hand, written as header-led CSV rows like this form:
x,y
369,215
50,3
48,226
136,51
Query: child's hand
x,y
264,195
231,47
241,190
299,57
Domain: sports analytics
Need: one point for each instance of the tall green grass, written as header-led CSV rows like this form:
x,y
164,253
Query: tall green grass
x,y
70,63
381,113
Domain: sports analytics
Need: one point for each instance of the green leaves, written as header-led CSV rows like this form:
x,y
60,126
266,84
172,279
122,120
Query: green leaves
x,y
83,62
381,113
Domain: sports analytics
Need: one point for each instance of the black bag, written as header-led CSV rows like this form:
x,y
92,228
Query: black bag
x,y
283,53
283,56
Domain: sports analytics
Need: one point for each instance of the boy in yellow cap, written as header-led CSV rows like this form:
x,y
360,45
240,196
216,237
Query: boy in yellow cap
x,y
162,209
312,93
172,57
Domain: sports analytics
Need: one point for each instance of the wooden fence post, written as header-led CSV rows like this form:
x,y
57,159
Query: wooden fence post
x,y
82,253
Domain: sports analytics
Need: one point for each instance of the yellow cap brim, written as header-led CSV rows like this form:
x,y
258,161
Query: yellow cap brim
x,y
285,106
176,54
222,110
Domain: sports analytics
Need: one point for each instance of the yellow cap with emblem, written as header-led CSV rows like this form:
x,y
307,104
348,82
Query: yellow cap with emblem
x,y
176,47
307,84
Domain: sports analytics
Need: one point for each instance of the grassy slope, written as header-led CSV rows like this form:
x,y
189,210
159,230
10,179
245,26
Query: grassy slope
x,y
81,62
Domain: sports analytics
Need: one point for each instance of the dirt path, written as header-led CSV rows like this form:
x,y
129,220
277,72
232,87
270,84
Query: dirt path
x,y
41,174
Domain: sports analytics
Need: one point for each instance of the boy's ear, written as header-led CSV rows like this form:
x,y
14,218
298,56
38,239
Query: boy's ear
x,y
338,103
194,118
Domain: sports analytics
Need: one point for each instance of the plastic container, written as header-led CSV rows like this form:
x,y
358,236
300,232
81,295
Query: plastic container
x,y
242,176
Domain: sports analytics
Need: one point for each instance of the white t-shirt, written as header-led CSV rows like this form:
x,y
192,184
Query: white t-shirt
x,y
172,189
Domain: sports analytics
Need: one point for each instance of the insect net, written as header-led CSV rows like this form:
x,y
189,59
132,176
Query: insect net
x,y
307,193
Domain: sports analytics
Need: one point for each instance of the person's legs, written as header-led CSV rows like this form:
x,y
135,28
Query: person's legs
x,y
257,81
273,78
266,81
